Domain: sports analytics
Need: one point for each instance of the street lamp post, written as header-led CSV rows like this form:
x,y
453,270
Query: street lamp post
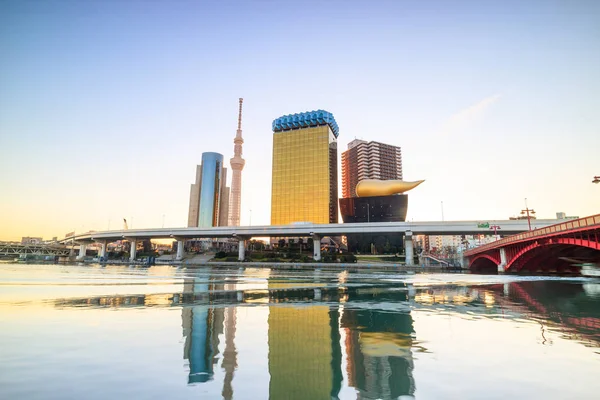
x,y
442,211
529,211
495,228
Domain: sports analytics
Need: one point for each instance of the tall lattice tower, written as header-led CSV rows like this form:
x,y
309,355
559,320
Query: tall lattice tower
x,y
237,164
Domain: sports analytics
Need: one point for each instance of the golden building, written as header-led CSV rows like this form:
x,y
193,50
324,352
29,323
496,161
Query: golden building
x,y
304,187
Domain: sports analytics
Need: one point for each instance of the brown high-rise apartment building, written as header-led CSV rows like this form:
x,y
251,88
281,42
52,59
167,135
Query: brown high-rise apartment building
x,y
369,160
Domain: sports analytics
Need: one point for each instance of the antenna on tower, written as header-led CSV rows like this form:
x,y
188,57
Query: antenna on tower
x,y
240,115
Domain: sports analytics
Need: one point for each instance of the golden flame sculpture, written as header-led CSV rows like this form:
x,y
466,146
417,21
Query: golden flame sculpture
x,y
373,187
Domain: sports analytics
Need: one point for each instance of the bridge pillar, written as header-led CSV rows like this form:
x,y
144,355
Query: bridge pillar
x,y
103,250
242,249
82,250
503,262
408,248
133,250
412,291
180,250
316,247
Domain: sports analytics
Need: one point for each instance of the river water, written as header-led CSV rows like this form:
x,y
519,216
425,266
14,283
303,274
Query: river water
x,y
99,332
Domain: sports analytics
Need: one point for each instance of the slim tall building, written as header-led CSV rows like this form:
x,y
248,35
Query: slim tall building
x,y
304,187
209,195
369,160
237,164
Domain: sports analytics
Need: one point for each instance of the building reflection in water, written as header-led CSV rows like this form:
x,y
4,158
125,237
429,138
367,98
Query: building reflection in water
x,y
307,337
316,335
305,355
304,352
202,326
201,329
378,347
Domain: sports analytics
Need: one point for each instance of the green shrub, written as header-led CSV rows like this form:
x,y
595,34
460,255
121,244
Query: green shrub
x,y
348,258
220,254
329,258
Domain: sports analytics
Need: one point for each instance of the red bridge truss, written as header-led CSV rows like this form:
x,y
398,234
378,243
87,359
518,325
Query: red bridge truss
x,y
559,248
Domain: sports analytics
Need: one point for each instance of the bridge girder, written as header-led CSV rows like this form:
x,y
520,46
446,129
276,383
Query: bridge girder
x,y
16,249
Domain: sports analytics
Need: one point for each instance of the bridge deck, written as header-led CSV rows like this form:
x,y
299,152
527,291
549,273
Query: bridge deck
x,y
300,230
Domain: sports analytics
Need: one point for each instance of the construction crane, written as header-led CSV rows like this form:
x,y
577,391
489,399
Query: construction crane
x,y
125,224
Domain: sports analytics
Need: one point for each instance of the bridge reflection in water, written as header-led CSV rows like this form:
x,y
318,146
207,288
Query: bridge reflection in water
x,y
324,335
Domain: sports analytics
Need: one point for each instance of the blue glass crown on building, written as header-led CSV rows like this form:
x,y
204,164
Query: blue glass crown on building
x,y
305,120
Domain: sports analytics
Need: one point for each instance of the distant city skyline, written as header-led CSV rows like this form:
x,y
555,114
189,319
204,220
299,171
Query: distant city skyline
x,y
106,107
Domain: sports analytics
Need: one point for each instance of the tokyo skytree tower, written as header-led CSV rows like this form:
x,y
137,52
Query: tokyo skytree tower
x,y
237,164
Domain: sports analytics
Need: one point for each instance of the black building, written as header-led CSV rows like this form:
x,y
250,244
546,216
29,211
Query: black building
x,y
374,209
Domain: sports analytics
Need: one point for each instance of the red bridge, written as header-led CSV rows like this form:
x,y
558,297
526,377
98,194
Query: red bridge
x,y
560,248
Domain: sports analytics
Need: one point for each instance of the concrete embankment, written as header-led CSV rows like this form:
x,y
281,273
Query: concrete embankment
x,y
203,260
332,266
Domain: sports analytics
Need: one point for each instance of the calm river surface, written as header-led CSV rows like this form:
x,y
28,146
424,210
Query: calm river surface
x,y
101,332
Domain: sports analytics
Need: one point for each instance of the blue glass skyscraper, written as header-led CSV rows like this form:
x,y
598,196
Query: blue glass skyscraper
x,y
209,195
210,191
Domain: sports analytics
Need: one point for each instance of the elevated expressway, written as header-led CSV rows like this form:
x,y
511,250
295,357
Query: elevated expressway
x,y
316,231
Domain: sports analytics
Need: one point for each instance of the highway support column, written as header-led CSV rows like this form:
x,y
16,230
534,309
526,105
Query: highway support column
x,y
82,250
241,248
180,249
102,250
133,250
316,247
408,248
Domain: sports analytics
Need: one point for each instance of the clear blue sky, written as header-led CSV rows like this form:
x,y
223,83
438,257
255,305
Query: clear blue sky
x,y
107,106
